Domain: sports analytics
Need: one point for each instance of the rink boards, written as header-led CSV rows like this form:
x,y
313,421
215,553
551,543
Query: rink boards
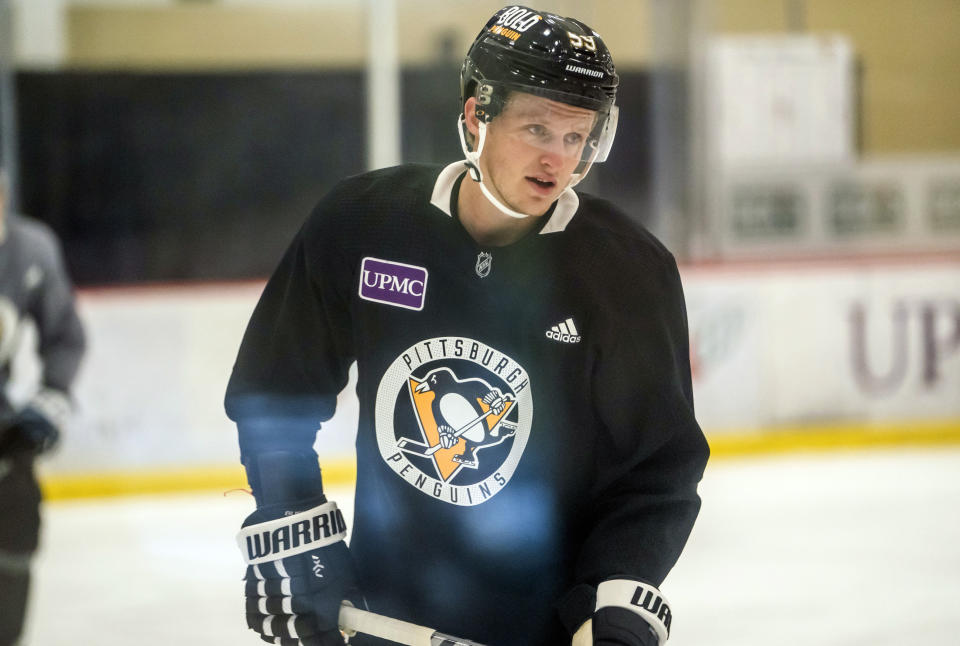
x,y
784,357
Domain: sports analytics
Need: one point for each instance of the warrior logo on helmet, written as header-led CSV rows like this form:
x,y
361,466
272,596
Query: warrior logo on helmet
x,y
453,417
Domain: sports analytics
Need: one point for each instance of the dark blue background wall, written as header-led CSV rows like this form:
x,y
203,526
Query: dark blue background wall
x,y
173,176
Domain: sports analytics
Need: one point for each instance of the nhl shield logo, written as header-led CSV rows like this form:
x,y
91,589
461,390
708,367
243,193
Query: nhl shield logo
x,y
453,417
484,263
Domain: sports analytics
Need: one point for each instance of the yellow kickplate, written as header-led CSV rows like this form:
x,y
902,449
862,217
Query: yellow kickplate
x,y
66,486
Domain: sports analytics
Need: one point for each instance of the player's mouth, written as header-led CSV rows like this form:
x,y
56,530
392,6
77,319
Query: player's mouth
x,y
542,185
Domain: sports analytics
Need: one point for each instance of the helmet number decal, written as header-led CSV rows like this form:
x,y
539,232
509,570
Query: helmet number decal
x,y
582,42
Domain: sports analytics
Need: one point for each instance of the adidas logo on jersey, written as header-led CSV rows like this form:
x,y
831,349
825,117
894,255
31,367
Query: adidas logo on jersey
x,y
565,332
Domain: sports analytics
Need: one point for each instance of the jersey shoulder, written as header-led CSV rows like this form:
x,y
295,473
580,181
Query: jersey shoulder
x,y
385,206
633,278
33,239
384,190
603,230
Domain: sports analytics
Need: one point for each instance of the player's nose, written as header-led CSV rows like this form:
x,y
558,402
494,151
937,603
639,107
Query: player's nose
x,y
551,159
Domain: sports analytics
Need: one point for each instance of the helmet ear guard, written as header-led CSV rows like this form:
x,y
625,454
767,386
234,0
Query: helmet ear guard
x,y
486,108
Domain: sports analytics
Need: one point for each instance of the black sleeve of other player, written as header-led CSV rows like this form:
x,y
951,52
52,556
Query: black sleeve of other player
x,y
297,347
652,453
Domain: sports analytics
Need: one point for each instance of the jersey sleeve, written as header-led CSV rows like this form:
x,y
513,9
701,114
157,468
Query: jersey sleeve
x,y
297,348
651,453
61,341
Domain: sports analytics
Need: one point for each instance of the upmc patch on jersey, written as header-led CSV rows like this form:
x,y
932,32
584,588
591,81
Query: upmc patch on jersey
x,y
393,283
453,418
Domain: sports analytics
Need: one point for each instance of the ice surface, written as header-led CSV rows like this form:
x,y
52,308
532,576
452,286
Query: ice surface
x,y
844,549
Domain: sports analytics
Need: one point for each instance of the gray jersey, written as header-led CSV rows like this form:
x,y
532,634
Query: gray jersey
x,y
34,284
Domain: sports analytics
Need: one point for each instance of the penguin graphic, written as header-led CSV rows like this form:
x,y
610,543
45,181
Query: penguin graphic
x,y
460,409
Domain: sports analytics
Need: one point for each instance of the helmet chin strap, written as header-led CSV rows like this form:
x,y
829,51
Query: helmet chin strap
x,y
473,163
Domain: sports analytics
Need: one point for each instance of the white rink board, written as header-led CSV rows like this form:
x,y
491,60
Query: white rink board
x,y
809,344
150,390
769,346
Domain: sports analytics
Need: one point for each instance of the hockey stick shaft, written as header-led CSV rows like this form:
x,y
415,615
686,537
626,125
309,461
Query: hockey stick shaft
x,y
460,431
402,632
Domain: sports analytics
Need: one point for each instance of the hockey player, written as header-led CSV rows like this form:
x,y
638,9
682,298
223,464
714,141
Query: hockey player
x,y
527,452
34,285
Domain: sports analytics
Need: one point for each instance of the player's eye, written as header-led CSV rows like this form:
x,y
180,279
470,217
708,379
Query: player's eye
x,y
537,130
573,139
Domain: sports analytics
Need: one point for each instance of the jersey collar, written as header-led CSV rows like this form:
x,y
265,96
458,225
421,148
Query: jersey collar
x,y
566,207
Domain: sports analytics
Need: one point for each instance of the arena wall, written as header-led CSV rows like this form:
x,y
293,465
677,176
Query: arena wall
x,y
785,357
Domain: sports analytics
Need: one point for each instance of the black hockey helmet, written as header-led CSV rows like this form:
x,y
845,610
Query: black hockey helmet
x,y
524,50
540,53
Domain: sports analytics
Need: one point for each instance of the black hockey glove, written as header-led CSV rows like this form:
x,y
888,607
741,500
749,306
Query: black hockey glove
x,y
620,612
299,570
630,613
36,428
621,627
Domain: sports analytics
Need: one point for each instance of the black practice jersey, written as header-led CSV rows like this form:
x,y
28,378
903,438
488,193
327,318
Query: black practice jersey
x,y
526,416
34,284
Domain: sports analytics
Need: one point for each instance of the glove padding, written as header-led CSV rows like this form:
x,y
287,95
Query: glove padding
x,y
36,428
620,627
630,612
299,571
619,612
30,431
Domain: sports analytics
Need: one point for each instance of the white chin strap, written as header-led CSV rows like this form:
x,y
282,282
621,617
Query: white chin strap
x,y
473,162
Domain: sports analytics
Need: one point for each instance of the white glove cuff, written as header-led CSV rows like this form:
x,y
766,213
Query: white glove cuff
x,y
292,535
640,598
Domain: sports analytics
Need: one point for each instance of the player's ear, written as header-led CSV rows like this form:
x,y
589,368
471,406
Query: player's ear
x,y
470,116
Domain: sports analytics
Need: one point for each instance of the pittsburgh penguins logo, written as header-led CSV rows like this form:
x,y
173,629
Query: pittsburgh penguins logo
x,y
453,418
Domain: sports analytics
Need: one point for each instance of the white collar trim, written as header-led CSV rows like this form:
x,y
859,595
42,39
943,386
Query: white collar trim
x,y
567,203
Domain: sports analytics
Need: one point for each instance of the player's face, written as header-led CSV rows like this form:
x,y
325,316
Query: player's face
x,y
531,149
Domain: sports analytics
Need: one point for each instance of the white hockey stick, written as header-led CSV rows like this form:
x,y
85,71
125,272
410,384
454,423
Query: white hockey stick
x,y
354,620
